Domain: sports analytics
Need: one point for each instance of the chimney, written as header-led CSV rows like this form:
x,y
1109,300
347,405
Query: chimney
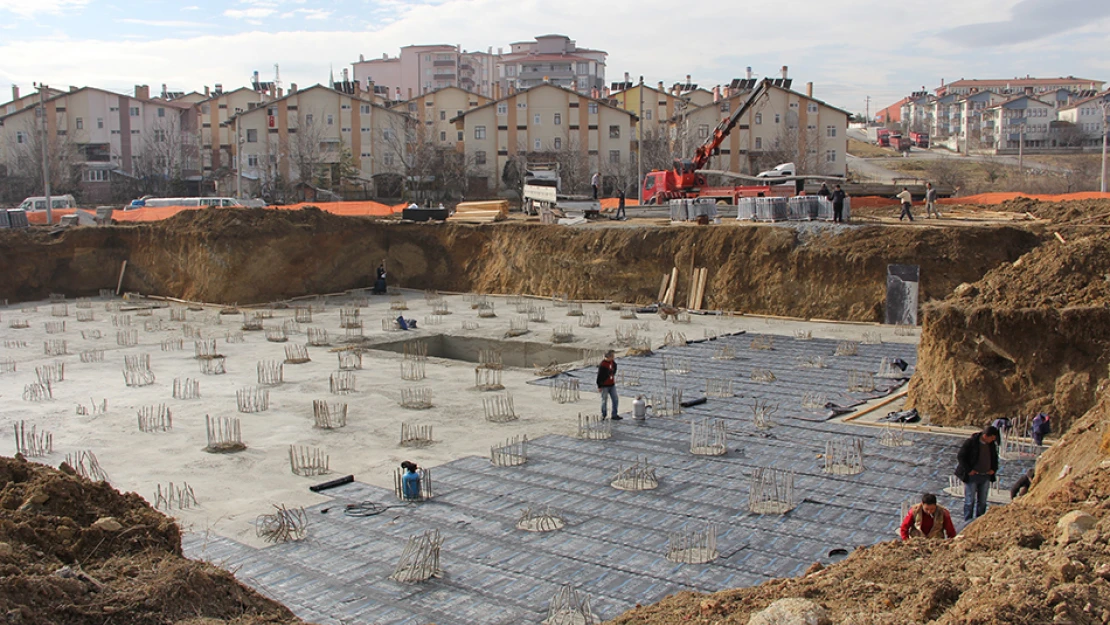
x,y
345,79
165,94
410,93
361,59
748,73
369,86
627,78
784,68
15,92
206,91
661,88
73,88
809,89
605,92
385,56
688,79
219,88
941,82
717,93
292,88
142,92
398,96
281,92
358,89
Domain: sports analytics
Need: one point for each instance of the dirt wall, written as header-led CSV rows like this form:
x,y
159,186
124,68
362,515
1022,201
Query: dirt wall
x,y
254,256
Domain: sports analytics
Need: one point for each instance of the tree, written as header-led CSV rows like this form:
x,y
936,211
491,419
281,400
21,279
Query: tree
x,y
162,165
574,166
24,175
305,148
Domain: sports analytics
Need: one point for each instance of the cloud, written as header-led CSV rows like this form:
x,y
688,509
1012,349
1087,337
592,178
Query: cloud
x,y
252,13
1030,20
191,8
164,23
30,8
308,14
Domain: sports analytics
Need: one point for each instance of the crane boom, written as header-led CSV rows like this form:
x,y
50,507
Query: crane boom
x,y
717,137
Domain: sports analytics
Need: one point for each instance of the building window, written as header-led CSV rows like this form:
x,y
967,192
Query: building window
x,y
830,131
443,116
443,135
558,143
615,156
134,111
480,157
331,120
522,104
388,159
460,135
537,145
593,108
364,109
614,132
583,67
758,119
759,143
725,106
536,119
776,118
80,124
161,112
252,135
830,156
811,107
100,122
647,115
479,132
703,131
205,109
558,119
159,135
502,108
96,175
308,119
252,160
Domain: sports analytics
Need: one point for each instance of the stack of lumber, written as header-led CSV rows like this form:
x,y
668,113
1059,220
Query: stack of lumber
x,y
481,212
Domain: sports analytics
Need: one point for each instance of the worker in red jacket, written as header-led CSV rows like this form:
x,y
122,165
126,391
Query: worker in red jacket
x,y
927,519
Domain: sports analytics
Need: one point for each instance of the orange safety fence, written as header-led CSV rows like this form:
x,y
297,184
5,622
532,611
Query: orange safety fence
x,y
611,203
987,199
38,218
348,209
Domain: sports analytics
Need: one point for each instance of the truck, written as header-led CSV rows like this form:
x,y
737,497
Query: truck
x,y
920,139
900,143
541,193
882,137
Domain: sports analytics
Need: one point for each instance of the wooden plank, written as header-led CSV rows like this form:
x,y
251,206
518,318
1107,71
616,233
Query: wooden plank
x,y
663,288
703,275
123,268
673,287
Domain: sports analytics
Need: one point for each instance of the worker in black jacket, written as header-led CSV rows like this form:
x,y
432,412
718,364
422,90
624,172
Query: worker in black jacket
x,y
607,384
977,467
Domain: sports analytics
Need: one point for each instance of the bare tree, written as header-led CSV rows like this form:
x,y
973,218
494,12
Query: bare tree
x,y
305,147
574,166
24,174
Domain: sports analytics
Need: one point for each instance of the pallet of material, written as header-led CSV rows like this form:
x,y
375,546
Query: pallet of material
x,y
481,212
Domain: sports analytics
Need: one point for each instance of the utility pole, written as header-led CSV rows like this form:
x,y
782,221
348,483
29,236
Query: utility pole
x,y
238,161
45,162
1105,134
867,121
1021,148
640,150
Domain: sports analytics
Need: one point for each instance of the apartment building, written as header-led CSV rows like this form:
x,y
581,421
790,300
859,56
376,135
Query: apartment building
x,y
1022,120
945,116
917,112
103,135
421,69
551,59
217,137
971,109
547,123
1085,121
1020,86
784,126
658,107
437,110
20,102
316,134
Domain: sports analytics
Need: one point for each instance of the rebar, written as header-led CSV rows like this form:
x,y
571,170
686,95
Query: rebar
x,y
302,315
803,335
861,381
487,311
57,297
342,382
763,375
487,379
591,319
138,377
10,344
440,308
415,350
562,333
32,443
871,338
511,453
173,345
271,372
847,348
628,312
114,306
708,437
7,365
59,310
19,324
667,402
84,303
719,387
540,520
763,343
626,335
121,321
469,325
569,607
284,525
560,300
490,358
186,389
724,352
252,322
252,399
413,370
349,360
155,418
276,334
329,416
537,314
424,491
224,435
574,309
135,362
54,327
205,349
763,413
308,461
812,400
518,326
84,316
179,314
594,427
811,362
1016,442
844,457
147,311
175,497
771,491
85,464
522,305
93,409
431,295
565,390
628,378
904,330
212,366
317,337
55,347
232,336
416,398
709,334
420,559
996,493
416,435
693,546
191,331
638,476
38,391
127,338
499,408
675,339
895,436
889,370
51,373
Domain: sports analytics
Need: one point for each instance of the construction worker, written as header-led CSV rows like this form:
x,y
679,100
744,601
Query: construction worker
x,y
838,204
907,204
607,384
410,481
931,201
927,520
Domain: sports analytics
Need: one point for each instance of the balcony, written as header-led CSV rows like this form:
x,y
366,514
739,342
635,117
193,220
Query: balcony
x,y
443,76
448,63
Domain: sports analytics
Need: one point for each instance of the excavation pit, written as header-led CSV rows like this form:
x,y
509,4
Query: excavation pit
x,y
519,354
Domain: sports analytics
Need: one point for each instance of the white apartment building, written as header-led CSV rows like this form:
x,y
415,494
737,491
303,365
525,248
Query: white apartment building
x,y
1089,118
551,59
1023,120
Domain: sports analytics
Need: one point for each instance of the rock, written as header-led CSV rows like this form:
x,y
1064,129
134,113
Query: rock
x,y
108,524
966,290
1104,572
1063,568
39,498
65,468
65,533
791,612
6,550
1073,525
816,567
1030,539
1064,472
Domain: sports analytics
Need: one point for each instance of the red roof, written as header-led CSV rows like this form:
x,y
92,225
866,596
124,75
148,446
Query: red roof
x,y
1023,82
526,58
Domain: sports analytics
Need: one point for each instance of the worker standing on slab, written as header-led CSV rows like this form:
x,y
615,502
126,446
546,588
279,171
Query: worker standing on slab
x,y
977,467
931,201
410,481
607,384
620,205
838,204
595,182
824,191
379,281
907,204
927,520
1041,428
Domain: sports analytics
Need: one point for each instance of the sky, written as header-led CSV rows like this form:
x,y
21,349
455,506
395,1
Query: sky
x,y
850,50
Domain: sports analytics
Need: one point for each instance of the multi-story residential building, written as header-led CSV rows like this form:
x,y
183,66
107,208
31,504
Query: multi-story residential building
x,y
100,136
1084,122
318,134
437,110
785,126
917,112
422,69
549,123
658,107
1019,86
945,116
1021,120
217,138
18,103
551,59
891,115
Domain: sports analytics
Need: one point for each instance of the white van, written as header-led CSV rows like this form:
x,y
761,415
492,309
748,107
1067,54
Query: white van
x,y
56,201
183,201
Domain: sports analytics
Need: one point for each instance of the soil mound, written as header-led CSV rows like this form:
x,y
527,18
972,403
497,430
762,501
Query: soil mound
x,y
1089,211
77,552
1012,566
